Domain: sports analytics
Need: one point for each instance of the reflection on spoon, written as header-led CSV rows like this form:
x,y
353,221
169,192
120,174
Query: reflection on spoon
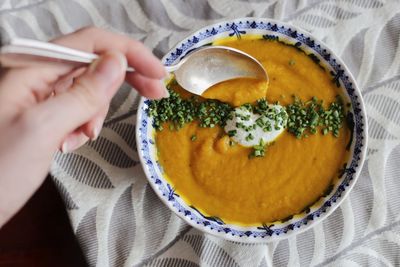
x,y
207,66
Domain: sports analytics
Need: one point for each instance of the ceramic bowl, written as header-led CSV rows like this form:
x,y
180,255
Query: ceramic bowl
x,y
299,223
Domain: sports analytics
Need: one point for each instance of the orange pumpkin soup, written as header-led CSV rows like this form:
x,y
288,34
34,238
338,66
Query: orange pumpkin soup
x,y
221,180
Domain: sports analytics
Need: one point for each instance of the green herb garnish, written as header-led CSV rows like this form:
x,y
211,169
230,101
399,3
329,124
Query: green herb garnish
x,y
178,111
258,150
304,118
249,137
232,133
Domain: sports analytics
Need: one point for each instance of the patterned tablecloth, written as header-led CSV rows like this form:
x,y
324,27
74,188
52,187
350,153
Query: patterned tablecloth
x,y
118,219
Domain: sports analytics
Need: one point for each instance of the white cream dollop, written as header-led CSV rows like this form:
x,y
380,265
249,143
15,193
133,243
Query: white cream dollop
x,y
266,127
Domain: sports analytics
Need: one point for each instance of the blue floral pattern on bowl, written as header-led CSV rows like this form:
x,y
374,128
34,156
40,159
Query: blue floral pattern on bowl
x,y
271,30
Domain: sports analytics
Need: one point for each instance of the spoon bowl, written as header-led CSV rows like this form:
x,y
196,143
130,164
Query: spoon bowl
x,y
207,66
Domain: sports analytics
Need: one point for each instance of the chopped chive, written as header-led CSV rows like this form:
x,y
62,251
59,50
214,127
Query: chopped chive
x,y
249,137
305,117
258,150
232,133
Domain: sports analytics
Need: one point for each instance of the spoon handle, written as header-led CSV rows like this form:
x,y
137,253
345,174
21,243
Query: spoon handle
x,y
25,52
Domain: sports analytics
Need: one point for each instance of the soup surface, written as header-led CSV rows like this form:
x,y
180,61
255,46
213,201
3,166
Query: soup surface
x,y
220,180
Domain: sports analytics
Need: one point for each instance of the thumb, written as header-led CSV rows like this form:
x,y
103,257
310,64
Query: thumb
x,y
88,95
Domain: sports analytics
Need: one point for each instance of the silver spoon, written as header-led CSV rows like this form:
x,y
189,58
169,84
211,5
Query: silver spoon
x,y
196,72
207,66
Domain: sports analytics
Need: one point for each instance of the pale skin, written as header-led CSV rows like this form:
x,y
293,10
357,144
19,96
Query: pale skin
x,y
58,107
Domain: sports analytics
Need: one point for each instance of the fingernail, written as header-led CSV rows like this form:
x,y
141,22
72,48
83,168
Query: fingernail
x,y
165,93
109,67
64,147
166,73
98,125
73,143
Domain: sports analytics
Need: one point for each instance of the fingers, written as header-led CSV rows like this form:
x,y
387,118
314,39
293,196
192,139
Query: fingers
x,y
73,141
146,65
147,87
93,127
81,105
23,87
88,131
66,82
96,40
89,94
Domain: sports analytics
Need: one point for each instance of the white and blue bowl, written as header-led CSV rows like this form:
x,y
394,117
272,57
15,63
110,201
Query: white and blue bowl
x,y
269,29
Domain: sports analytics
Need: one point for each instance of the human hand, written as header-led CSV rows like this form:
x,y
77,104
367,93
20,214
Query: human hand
x,y
49,107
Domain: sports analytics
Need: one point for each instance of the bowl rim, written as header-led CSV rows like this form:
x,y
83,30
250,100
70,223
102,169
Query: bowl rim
x,y
362,134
